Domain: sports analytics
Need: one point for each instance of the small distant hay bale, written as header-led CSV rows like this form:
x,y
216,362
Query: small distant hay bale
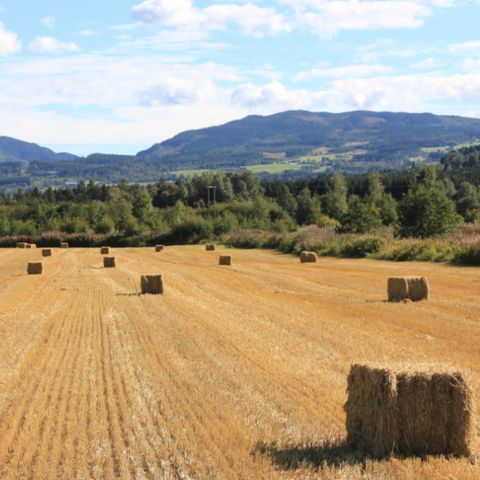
x,y
109,262
407,288
104,250
409,412
35,268
308,257
209,247
64,245
28,245
151,284
21,245
159,248
46,252
397,289
225,260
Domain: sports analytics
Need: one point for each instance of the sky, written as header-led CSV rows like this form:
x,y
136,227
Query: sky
x,y
117,76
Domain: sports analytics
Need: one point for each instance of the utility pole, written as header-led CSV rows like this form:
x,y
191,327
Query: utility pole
x,y
212,199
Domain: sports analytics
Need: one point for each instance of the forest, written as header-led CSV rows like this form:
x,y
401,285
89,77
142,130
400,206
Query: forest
x,y
430,201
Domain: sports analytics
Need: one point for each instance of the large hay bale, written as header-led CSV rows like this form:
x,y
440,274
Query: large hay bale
x,y
225,260
64,245
21,245
308,257
370,410
418,288
409,412
46,252
35,268
151,284
159,248
28,245
407,288
435,412
105,250
109,262
209,247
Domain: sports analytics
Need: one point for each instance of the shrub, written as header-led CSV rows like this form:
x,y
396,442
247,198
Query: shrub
x,y
362,247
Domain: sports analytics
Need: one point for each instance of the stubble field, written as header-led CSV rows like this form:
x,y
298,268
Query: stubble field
x,y
234,373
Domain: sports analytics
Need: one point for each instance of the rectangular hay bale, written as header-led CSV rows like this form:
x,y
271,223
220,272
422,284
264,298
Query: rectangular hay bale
x,y
308,257
151,284
409,412
35,268
28,245
46,252
109,262
104,250
209,247
418,288
370,410
397,289
21,245
407,288
225,260
64,245
159,248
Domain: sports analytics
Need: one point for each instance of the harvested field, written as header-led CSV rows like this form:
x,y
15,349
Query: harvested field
x,y
237,373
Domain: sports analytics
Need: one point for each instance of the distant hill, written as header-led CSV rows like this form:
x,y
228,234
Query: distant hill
x,y
365,136
12,150
289,144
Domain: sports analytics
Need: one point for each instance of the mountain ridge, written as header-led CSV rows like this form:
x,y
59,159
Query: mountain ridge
x,y
291,143
14,150
298,132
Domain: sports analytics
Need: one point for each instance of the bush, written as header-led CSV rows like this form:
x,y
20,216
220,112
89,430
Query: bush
x,y
468,255
244,239
362,247
189,231
105,226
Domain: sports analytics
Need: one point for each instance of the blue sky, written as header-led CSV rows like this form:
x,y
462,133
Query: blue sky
x,y
119,75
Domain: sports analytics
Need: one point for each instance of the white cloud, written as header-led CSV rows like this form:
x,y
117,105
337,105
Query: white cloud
x,y
49,22
360,70
465,47
103,99
427,63
52,45
327,17
9,42
251,18
178,91
416,92
110,82
86,33
273,94
438,93
168,12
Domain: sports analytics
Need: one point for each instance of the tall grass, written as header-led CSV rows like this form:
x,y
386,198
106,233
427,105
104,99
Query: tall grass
x,y
463,248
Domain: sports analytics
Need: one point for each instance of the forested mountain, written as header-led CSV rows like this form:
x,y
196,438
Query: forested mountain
x,y
294,144
12,150
370,136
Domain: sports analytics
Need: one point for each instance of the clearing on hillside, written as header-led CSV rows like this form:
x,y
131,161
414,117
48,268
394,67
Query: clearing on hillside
x,y
236,373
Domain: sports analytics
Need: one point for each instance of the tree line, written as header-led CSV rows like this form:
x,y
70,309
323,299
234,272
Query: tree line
x,y
421,203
